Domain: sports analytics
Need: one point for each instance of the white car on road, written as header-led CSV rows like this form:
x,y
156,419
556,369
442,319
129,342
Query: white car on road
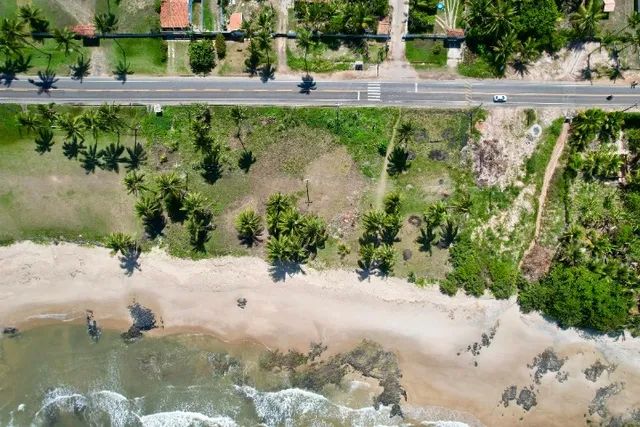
x,y
499,98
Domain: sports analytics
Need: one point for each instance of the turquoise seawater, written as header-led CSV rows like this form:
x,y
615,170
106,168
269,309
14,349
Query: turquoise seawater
x,y
57,376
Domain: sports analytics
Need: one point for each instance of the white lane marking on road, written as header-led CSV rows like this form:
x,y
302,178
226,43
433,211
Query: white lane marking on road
x,y
416,88
358,95
374,92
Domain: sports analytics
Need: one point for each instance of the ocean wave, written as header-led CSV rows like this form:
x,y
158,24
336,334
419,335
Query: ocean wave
x,y
107,407
183,419
293,407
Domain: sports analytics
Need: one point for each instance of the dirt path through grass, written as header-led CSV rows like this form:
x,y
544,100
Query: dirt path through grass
x,y
83,11
384,176
548,176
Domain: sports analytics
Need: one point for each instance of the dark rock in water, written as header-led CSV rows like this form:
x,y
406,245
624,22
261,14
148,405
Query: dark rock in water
x,y
134,333
10,331
527,399
92,326
143,318
242,302
223,363
509,394
407,254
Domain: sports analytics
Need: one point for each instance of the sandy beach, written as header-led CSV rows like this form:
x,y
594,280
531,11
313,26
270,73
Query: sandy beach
x,y
430,333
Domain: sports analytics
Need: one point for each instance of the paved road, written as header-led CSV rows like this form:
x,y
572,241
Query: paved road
x,y
421,93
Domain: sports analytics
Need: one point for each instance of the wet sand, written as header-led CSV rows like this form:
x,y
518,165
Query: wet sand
x,y
429,332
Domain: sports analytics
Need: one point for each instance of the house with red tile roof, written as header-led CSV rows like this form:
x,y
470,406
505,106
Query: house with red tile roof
x,y
235,22
176,14
84,30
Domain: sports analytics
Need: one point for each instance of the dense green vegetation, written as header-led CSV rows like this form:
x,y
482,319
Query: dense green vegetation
x,y
425,53
593,279
202,56
345,17
422,16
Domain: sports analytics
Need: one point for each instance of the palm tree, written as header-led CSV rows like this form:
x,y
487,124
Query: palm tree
x,y
503,50
277,204
65,39
279,249
385,258
148,208
92,122
105,22
435,214
392,202
136,157
305,42
120,243
91,158
134,182
238,114
290,222
611,126
72,126
586,19
501,19
313,233
123,69
211,164
367,256
406,132
13,35
249,226
449,232
193,203
44,140
28,120
263,39
112,156
81,68
170,189
33,16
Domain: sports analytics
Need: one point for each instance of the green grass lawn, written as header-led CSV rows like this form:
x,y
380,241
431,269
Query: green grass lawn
x,y
475,66
8,8
426,53
209,17
56,15
47,196
146,56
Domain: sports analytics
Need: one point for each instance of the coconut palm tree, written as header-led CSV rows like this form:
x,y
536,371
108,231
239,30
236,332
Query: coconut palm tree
x,y
277,204
13,35
72,126
238,114
385,258
194,203
367,259
134,182
149,209
211,164
586,19
120,243
406,132
112,156
435,214
279,249
136,157
500,19
313,233
504,50
263,39
44,140
392,202
65,39
28,120
81,68
611,126
33,16
249,226
92,122
105,22
305,42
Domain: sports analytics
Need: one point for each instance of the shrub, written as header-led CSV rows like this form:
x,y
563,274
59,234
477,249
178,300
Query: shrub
x,y
221,46
201,56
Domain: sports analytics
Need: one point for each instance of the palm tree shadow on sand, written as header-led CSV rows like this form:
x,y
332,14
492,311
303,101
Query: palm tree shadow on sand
x,y
130,262
281,270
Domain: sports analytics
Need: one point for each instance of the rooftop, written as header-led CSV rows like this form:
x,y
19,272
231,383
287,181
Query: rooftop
x,y
175,14
84,30
235,21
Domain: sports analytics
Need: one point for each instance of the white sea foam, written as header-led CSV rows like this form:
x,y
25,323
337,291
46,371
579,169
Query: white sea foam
x,y
293,407
181,419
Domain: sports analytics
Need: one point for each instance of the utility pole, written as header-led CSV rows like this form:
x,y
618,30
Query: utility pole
x,y
308,202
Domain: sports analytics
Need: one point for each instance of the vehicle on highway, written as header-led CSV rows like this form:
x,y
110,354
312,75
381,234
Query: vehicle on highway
x,y
499,98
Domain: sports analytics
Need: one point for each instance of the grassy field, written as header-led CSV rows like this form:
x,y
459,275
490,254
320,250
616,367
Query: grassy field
x,y
146,56
337,151
47,196
426,54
